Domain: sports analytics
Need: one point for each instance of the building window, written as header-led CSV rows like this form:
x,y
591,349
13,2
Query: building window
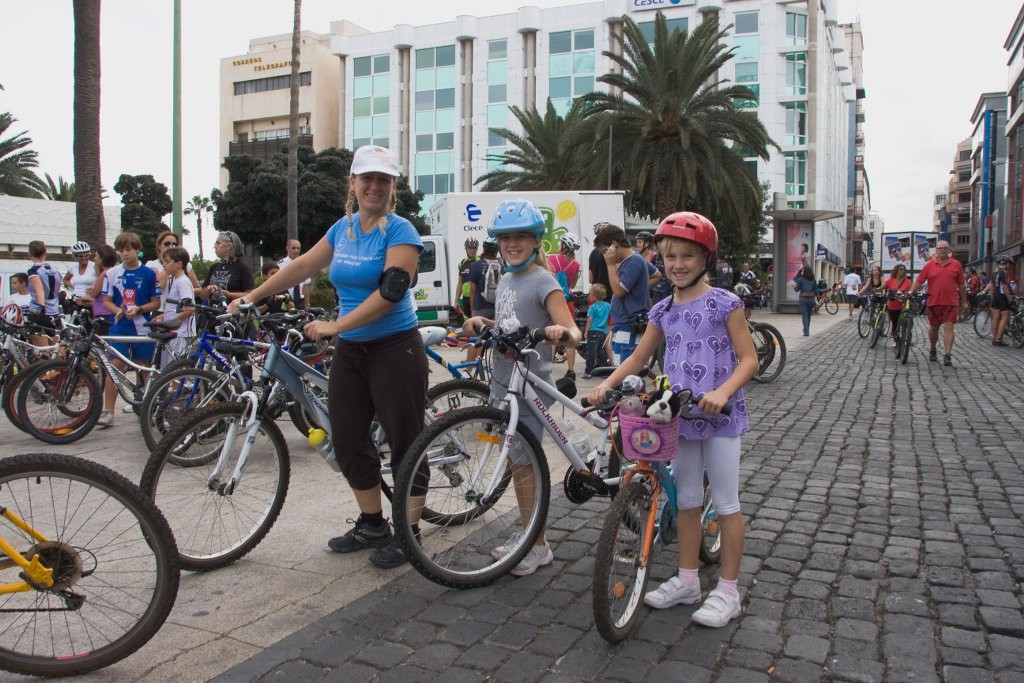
x,y
746,75
647,27
796,28
963,239
571,66
271,83
371,101
796,173
796,73
796,123
434,86
745,22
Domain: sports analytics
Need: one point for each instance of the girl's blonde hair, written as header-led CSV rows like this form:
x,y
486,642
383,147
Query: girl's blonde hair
x,y
350,207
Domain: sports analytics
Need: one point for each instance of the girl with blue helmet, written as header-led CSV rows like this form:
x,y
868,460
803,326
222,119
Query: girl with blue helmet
x,y
527,295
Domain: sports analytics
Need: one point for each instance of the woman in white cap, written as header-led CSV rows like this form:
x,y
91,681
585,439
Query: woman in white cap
x,y
379,366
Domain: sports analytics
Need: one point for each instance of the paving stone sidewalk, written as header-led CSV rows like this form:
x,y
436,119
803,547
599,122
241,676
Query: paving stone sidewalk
x,y
885,512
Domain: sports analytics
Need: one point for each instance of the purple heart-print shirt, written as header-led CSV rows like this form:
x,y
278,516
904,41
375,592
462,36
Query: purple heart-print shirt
x,y
699,357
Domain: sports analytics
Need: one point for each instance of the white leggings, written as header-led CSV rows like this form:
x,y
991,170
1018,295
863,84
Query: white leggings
x,y
720,456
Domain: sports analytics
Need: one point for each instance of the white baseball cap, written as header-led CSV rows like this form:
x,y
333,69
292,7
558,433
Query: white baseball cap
x,y
374,159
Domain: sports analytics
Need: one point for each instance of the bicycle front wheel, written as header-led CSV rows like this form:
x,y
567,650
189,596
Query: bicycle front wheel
x,y
906,334
113,560
864,319
983,323
771,352
622,563
831,307
59,402
451,508
174,395
215,520
878,327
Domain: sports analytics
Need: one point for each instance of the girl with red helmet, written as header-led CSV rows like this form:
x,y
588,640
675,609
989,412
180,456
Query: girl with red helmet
x,y
708,350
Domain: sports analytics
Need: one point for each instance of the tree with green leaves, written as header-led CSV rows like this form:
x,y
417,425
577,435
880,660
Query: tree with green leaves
x,y
86,144
292,223
674,126
254,204
59,190
552,153
18,163
145,202
199,205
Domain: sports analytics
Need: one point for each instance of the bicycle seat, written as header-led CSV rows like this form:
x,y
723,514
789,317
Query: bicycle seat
x,y
607,370
163,325
432,335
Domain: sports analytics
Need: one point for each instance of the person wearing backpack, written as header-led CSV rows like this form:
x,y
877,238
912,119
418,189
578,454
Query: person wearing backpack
x,y
44,289
566,270
483,279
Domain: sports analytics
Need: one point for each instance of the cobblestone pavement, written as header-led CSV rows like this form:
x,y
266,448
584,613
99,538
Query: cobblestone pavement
x,y
884,505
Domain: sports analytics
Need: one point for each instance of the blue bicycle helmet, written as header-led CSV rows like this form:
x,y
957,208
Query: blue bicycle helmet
x,y
516,215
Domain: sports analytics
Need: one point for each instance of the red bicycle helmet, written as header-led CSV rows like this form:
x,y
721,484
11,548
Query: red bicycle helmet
x,y
690,226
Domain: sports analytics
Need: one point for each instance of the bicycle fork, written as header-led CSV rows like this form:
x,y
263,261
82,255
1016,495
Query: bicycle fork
x,y
251,424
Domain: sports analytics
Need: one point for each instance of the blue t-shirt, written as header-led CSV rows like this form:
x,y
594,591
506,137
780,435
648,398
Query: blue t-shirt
x,y
128,288
356,268
598,312
634,271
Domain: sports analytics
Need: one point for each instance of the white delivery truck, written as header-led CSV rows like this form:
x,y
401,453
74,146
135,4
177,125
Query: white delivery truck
x,y
459,215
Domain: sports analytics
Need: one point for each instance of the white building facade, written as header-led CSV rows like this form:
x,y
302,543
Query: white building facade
x,y
433,93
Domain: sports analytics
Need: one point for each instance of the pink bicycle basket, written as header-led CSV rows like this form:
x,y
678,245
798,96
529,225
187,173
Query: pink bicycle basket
x,y
645,439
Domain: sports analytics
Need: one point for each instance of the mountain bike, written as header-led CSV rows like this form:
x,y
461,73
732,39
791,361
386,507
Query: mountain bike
x,y
478,452
905,326
635,520
88,566
868,312
827,300
221,473
880,319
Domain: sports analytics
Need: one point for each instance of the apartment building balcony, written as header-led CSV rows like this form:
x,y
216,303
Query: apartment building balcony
x,y
265,149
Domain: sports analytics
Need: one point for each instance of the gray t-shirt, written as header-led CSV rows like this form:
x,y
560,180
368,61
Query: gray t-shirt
x,y
519,301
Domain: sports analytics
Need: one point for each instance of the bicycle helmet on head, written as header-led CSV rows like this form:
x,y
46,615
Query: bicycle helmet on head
x,y
80,248
645,236
491,243
692,227
516,215
570,241
471,243
1003,259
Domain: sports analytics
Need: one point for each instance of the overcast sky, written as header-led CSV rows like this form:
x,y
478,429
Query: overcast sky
x,y
925,64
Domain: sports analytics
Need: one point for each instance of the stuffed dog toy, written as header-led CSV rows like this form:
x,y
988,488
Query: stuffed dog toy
x,y
663,405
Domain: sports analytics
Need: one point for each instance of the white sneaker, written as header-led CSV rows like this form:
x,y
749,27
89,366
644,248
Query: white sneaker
x,y
106,419
671,593
507,547
539,556
128,409
718,610
893,344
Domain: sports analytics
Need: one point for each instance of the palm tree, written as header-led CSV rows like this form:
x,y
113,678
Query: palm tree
x,y
59,190
86,145
18,163
552,153
198,205
673,125
292,224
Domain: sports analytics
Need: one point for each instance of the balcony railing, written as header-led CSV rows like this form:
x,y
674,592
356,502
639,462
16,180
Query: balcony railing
x,y
265,149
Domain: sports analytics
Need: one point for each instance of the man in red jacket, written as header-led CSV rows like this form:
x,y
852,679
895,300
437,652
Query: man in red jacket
x,y
946,291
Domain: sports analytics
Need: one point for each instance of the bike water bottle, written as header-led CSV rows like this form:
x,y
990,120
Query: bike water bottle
x,y
577,439
318,439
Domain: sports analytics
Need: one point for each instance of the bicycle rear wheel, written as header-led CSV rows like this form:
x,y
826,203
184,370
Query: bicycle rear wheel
x,y
114,563
59,402
214,522
983,323
771,352
1015,328
622,563
480,532
831,307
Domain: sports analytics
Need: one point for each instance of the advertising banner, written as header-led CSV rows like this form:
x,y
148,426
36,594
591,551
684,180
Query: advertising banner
x,y
896,249
924,248
798,253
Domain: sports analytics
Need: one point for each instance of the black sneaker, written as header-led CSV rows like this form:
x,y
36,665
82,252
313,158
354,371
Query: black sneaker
x,y
362,535
947,360
570,374
933,356
391,555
